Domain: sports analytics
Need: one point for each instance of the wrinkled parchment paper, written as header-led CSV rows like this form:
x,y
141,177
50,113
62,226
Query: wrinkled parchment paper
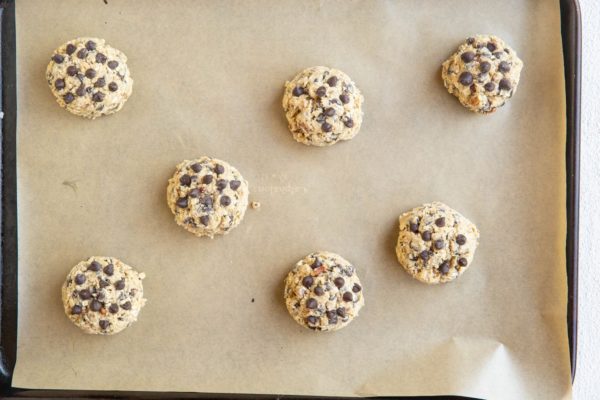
x,y
208,80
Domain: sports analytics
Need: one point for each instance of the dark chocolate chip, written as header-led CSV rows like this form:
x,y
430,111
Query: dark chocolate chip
x,y
204,220
467,56
424,255
100,58
114,308
71,49
298,91
104,283
82,53
98,97
341,312
90,45
311,303
182,202
470,40
485,67
95,305
194,193
331,316
465,79
316,263
356,288
345,98
349,123
90,73
80,90
221,184
104,324
319,291
126,305
490,86
441,221
185,180
504,84
68,98
426,236
113,87
348,296
307,281
112,64
444,267
491,46
100,82
72,70
326,127
58,58
59,84
120,285
206,179
219,169
438,244
79,279
225,201
196,167
76,309
312,320
235,184
94,266
339,282
414,227
85,294
461,239
207,201
332,81
109,270
321,91
462,262
503,66
330,112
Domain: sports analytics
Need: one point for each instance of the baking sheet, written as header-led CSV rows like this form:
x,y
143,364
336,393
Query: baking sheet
x,y
208,80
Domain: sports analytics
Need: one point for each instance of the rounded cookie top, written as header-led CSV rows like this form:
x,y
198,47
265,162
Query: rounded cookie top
x,y
483,74
207,196
323,292
89,78
103,295
322,106
436,244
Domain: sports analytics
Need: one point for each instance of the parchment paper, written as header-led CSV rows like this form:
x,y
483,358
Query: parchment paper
x,y
208,80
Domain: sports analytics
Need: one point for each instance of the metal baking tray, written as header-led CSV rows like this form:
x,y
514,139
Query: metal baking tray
x,y
571,40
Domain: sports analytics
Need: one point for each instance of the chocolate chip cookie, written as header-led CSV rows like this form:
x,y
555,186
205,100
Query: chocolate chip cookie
x,y
323,292
483,74
103,295
322,106
89,78
207,196
436,244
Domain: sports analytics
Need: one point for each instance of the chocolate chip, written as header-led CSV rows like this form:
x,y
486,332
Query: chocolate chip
x,y
321,91
414,227
330,112
196,167
219,169
438,244
104,283
311,303
339,282
71,49
235,184
490,86
424,255
316,263
79,279
319,291
426,236
112,64
221,184
58,58
185,180
120,285
90,45
113,87
85,294
194,193
326,127
109,270
470,40
331,316
504,84
94,266
332,81
307,281
225,201
59,84
465,79
100,82
467,56
104,324
491,46
503,66
485,67
82,53
349,123
341,312
68,98
100,58
204,220
356,288
114,308
126,305
345,98
444,267
76,309
90,73
98,97
80,91
461,239
182,202
207,201
298,91
207,179
348,296
312,320
441,221
95,305
462,262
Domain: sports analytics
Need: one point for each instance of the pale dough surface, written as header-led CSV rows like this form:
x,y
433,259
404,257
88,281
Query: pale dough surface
x,y
436,244
483,74
207,196
89,78
103,295
322,106
323,292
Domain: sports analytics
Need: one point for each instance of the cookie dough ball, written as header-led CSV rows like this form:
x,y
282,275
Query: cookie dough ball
x,y
323,292
322,106
89,78
208,196
103,295
483,74
436,244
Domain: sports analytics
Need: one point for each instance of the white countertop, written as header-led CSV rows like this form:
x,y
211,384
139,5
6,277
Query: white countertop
x,y
587,377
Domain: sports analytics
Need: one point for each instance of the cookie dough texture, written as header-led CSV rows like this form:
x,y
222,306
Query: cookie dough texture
x,y
483,74
322,106
436,244
323,292
89,78
103,295
207,196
